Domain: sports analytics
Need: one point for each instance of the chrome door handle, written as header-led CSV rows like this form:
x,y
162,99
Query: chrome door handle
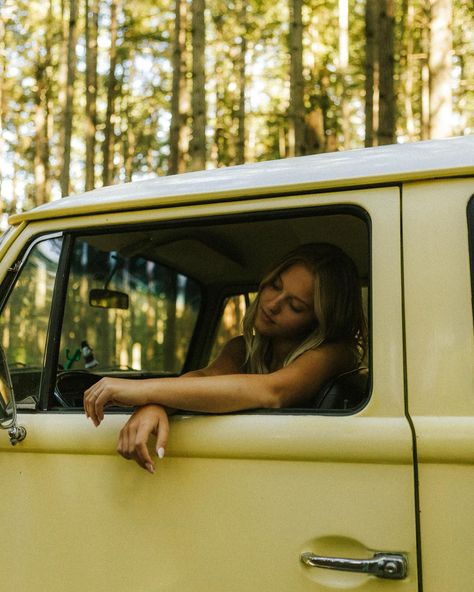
x,y
391,566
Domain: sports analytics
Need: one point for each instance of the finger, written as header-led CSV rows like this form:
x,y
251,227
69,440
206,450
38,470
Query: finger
x,y
162,438
90,396
142,454
124,442
98,406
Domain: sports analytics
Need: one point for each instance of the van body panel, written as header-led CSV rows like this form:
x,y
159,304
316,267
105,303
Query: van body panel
x,y
239,497
440,374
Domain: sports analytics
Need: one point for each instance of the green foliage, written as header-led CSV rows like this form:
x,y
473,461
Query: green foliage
x,y
33,36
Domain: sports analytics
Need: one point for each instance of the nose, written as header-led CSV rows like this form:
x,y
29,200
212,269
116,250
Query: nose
x,y
274,304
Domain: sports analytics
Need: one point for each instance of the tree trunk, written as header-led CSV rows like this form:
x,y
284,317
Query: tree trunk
x,y
68,111
343,66
296,110
3,66
129,125
220,150
371,72
406,66
178,96
198,101
108,145
425,72
441,44
387,109
91,27
242,84
41,153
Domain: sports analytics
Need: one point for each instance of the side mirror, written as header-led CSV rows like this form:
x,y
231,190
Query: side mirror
x,y
8,420
108,299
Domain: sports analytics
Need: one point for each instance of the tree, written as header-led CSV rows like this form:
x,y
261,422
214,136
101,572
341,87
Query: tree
x,y
108,144
296,110
91,30
440,68
343,67
3,77
371,71
178,93
242,82
68,109
380,109
387,108
197,148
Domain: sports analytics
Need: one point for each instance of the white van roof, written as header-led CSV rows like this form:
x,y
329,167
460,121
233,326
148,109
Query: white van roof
x,y
363,167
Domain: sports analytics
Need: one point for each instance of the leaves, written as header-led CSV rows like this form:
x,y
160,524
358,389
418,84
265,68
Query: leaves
x,y
247,86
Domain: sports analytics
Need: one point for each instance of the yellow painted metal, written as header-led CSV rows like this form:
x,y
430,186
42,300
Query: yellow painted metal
x,y
239,497
338,170
440,375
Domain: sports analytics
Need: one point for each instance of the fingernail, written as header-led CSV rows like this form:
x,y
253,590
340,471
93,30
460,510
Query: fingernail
x,y
161,452
150,468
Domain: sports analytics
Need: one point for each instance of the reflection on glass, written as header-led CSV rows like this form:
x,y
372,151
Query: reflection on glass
x,y
25,317
151,332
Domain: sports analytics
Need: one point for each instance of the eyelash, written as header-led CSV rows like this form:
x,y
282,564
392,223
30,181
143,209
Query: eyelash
x,y
295,309
276,285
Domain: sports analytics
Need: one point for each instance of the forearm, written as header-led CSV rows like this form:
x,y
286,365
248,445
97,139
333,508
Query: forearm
x,y
213,394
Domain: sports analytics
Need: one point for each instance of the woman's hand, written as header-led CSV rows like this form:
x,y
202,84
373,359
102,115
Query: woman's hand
x,y
112,391
134,436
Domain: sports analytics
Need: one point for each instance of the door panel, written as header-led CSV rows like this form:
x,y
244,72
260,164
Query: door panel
x,y
440,372
238,497
201,522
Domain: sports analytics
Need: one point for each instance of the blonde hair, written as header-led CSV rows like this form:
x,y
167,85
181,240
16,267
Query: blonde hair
x,y
337,306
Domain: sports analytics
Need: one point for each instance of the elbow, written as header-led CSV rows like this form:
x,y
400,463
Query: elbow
x,y
275,399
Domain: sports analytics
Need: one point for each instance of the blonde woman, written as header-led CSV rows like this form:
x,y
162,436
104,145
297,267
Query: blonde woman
x,y
305,326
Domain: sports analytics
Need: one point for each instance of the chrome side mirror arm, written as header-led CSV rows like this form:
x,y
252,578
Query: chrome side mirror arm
x,y
17,433
8,417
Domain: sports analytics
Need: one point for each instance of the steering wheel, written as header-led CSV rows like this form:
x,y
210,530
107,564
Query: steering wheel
x,y
70,387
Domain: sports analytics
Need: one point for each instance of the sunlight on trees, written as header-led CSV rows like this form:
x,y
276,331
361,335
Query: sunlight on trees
x,y
94,92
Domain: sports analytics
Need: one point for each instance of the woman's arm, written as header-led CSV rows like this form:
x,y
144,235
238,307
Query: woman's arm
x,y
153,419
293,385
133,438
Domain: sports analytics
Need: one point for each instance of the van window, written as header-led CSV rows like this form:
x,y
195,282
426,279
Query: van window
x,y
162,299
130,311
25,317
230,321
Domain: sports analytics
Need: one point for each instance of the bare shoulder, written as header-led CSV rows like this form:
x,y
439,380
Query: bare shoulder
x,y
297,382
231,359
324,362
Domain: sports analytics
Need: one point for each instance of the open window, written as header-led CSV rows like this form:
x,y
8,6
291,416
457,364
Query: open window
x,y
154,300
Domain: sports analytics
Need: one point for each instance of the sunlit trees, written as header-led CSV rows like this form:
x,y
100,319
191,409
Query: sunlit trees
x,y
94,92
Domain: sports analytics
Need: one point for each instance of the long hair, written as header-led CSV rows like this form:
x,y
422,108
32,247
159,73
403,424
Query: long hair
x,y
337,306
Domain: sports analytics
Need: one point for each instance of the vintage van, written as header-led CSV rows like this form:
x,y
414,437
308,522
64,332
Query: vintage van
x,y
370,489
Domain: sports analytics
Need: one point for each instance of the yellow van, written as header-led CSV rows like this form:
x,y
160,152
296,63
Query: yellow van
x,y
370,489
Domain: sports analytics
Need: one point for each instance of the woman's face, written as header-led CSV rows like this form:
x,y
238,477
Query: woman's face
x,y
286,305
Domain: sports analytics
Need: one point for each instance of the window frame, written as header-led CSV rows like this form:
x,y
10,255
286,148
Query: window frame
x,y
199,337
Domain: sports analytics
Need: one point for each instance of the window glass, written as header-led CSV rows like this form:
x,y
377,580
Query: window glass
x,y
230,323
126,313
25,317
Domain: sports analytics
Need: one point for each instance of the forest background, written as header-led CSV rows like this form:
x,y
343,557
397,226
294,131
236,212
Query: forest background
x,y
94,92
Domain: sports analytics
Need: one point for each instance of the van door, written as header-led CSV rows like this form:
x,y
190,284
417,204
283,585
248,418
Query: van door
x,y
239,499
438,253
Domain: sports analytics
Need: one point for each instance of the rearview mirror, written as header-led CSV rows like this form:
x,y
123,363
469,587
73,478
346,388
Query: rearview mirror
x,y
108,299
7,403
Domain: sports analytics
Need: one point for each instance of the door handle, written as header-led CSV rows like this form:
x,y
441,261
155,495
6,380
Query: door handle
x,y
390,566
